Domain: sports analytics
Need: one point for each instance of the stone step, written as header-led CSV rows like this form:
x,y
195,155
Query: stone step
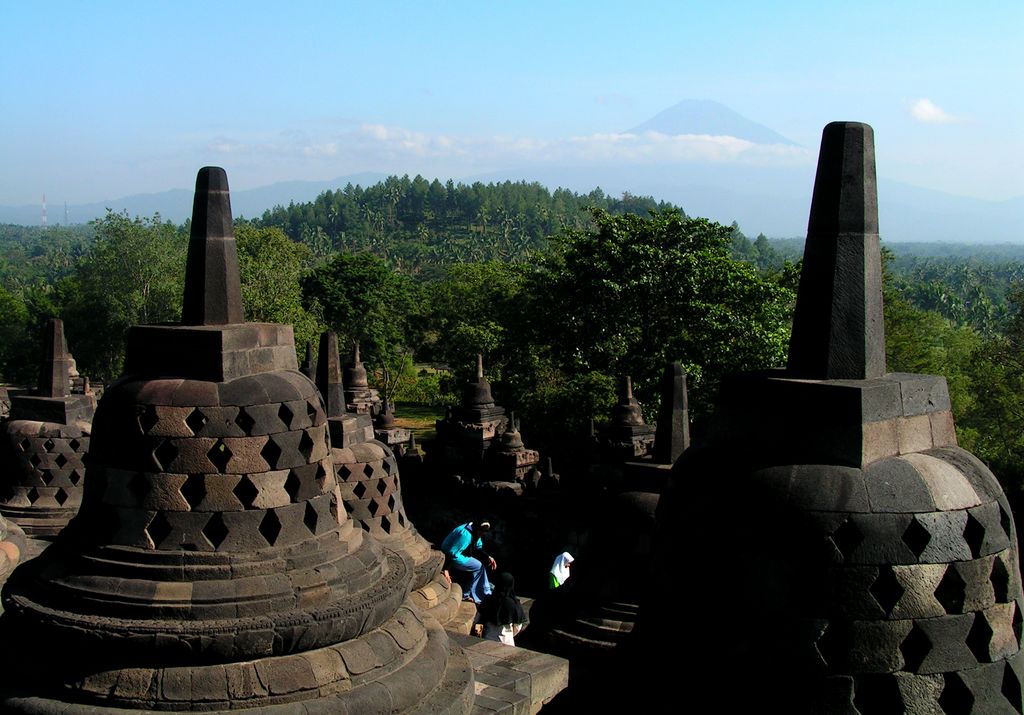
x,y
519,680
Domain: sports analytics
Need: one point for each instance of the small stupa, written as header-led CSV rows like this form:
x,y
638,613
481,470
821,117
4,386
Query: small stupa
x,y
43,445
627,436
470,428
360,398
367,474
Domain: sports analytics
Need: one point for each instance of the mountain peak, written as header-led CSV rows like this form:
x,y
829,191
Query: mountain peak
x,y
702,116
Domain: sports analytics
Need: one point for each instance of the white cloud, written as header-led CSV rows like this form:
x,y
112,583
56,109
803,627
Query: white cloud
x,y
924,110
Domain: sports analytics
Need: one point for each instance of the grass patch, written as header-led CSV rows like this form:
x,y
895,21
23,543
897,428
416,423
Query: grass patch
x,y
418,418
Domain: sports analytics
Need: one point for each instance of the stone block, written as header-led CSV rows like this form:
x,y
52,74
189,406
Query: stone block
x,y
950,489
828,488
880,439
195,393
894,485
914,433
918,582
947,637
945,537
943,429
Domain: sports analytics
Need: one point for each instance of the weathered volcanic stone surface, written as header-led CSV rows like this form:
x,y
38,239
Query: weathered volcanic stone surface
x,y
212,566
861,561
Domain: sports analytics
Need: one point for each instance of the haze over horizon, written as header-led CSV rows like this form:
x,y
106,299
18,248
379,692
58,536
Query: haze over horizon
x,y
118,99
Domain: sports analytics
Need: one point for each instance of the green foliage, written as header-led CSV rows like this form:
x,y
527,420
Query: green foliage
x,y
420,226
131,275
271,267
636,293
365,301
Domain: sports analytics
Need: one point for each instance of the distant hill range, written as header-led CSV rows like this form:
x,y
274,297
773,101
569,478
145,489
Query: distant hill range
x,y
762,199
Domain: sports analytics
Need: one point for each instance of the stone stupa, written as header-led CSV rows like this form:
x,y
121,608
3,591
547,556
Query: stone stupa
x,y
368,478
842,553
212,566
43,445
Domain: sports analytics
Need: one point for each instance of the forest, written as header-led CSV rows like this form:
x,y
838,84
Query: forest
x,y
560,292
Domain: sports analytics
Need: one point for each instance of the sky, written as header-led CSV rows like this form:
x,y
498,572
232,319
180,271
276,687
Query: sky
x,y
101,100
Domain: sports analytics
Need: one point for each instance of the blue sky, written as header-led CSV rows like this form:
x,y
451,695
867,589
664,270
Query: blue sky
x,y
100,100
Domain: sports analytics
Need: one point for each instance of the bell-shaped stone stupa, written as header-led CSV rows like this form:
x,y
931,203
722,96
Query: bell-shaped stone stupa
x,y
852,557
212,566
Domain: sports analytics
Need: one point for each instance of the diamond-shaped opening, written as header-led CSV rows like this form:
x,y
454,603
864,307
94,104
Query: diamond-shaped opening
x,y
388,466
34,460
916,536
74,444
285,415
877,694
847,538
951,591
159,528
348,507
359,490
270,527
366,527
148,419
48,445
382,487
1017,621
321,476
245,421
368,470
1005,521
292,485
311,409
1010,689
391,503
979,638
216,530
915,648
61,460
139,486
46,475
1000,580
196,420
246,492
374,507
219,455
165,454
310,517
834,644
956,698
385,523
887,589
61,496
974,535
33,495
75,477
194,490
24,445
343,472
306,445
271,453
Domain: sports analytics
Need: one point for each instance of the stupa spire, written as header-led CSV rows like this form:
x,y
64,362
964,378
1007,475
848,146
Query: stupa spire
x,y
838,330
54,375
213,287
328,375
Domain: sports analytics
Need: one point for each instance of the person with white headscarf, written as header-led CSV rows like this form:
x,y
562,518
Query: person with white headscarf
x,y
560,569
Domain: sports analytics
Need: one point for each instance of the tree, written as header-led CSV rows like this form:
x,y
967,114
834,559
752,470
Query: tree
x,y
365,301
133,274
271,267
634,293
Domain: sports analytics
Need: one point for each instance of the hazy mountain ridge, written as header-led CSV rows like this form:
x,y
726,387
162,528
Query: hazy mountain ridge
x,y
762,199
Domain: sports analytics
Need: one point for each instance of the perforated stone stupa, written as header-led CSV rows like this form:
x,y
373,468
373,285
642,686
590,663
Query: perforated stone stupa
x,y
862,561
470,428
368,478
43,444
212,566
